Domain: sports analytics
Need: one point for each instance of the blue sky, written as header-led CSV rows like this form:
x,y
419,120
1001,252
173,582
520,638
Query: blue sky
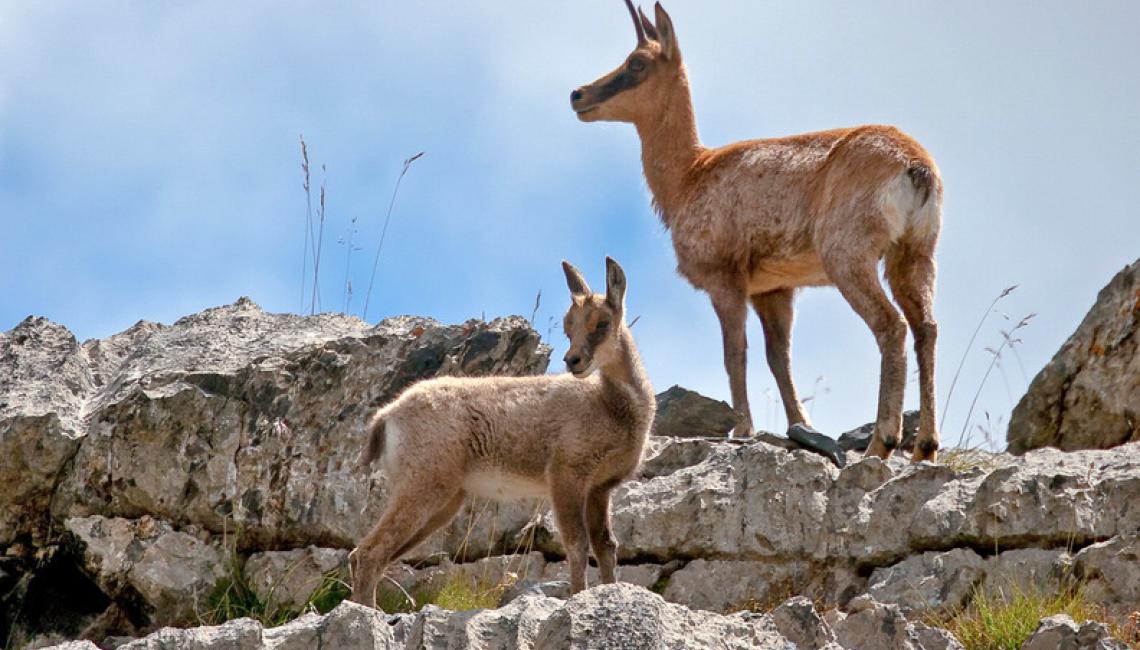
x,y
150,165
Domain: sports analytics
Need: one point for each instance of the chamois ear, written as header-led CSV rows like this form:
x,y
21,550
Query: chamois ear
x,y
666,36
647,24
615,285
575,281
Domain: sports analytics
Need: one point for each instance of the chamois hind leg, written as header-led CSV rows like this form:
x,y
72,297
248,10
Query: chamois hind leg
x,y
408,513
775,311
732,311
857,280
601,533
569,501
910,272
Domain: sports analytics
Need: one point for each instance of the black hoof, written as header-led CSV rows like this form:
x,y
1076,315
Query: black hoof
x,y
814,441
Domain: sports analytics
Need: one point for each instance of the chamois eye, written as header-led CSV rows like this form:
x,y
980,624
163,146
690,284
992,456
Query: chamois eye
x,y
602,325
636,65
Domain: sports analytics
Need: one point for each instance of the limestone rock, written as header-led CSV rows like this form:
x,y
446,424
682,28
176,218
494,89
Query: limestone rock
x,y
629,617
870,624
171,572
663,456
236,417
45,383
1088,395
798,622
1025,568
1112,571
238,634
685,413
1061,632
740,501
728,585
642,575
348,626
550,588
928,582
288,578
859,438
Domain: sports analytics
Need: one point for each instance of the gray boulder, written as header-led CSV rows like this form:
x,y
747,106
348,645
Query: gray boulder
x,y
870,624
239,418
930,582
859,438
628,617
1111,569
171,572
685,413
45,384
800,624
238,634
1088,395
1061,632
287,579
348,626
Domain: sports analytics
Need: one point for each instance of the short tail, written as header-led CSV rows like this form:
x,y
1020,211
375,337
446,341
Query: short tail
x,y
375,447
923,179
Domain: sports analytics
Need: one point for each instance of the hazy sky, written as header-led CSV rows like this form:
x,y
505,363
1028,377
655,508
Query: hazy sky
x,y
150,165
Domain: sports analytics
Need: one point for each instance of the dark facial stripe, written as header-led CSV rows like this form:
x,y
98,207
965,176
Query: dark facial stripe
x,y
595,338
622,82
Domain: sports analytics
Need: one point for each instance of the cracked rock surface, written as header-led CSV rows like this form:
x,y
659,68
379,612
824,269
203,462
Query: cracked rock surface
x,y
1088,395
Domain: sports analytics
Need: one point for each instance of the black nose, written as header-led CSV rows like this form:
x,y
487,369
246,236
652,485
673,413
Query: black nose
x,y
572,361
576,95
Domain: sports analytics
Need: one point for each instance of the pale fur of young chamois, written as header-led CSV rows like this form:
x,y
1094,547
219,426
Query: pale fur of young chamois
x,y
754,221
571,438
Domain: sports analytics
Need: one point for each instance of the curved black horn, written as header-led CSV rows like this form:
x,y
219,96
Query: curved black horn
x,y
636,23
650,29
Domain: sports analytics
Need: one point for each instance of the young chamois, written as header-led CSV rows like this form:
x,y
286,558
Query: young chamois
x,y
571,438
756,220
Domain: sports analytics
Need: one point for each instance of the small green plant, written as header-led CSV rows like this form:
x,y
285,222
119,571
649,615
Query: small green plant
x,y
1003,619
332,591
459,595
235,597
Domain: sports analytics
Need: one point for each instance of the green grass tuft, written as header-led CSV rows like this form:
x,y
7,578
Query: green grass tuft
x,y
964,460
1004,619
460,595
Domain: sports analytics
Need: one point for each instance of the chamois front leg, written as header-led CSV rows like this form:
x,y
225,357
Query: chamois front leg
x,y
601,531
568,495
731,310
776,314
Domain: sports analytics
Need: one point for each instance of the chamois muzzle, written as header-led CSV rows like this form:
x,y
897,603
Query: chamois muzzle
x,y
572,362
580,104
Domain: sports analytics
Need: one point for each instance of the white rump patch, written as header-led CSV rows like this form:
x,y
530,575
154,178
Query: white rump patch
x,y
902,207
895,203
503,486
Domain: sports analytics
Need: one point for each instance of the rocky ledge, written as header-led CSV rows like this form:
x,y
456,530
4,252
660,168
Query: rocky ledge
x,y
140,472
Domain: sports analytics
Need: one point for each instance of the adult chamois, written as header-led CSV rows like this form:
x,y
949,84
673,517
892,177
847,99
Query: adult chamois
x,y
756,220
571,438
